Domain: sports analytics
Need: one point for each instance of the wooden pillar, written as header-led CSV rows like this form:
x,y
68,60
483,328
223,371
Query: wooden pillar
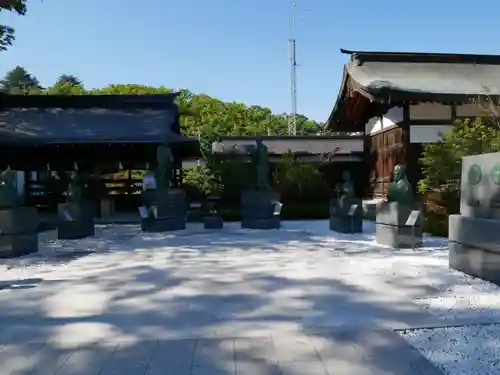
x,y
129,182
368,165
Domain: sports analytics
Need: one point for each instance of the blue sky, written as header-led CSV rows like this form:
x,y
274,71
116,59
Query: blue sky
x,y
236,50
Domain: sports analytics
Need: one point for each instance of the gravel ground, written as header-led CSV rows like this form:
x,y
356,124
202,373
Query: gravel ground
x,y
422,276
465,350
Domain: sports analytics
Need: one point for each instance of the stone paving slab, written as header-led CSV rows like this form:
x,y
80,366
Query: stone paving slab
x,y
373,352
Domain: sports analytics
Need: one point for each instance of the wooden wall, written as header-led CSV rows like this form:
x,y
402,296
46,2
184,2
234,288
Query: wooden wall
x,y
402,137
386,149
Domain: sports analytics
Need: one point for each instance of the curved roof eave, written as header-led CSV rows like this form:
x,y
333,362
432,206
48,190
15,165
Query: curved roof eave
x,y
340,97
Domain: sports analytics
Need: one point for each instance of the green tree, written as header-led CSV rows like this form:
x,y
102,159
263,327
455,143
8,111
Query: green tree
x,y
67,84
296,178
7,32
203,179
69,79
201,116
66,89
442,162
19,81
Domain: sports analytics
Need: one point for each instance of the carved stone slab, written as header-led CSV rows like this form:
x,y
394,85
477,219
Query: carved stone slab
x,y
480,186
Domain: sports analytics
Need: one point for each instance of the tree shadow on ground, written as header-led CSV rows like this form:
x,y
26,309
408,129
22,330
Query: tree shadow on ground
x,y
142,294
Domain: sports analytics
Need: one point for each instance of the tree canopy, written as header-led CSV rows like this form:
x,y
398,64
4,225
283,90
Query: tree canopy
x,y
201,115
18,81
7,32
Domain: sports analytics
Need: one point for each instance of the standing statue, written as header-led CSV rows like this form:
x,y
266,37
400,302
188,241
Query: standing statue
x,y
261,165
165,162
347,187
8,188
75,187
399,189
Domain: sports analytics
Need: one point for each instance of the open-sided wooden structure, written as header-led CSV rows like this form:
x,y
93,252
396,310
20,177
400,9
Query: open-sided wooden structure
x,y
332,154
99,132
404,100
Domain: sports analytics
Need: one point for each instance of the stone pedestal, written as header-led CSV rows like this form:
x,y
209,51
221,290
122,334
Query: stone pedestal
x,y
75,220
346,215
258,209
392,227
167,210
474,246
107,208
18,231
213,222
474,235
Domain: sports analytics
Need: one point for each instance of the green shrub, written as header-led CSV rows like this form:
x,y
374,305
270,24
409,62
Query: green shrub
x,y
436,224
295,211
297,180
442,166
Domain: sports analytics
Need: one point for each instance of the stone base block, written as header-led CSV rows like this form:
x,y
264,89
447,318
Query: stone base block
x,y
398,236
475,262
213,222
75,221
16,245
171,210
477,232
163,224
397,214
67,230
261,223
342,206
346,224
19,220
258,208
474,246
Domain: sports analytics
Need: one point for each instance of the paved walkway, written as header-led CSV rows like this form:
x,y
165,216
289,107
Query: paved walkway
x,y
230,302
347,353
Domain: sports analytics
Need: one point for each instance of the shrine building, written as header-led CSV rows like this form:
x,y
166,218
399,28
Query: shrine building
x,y
105,135
402,101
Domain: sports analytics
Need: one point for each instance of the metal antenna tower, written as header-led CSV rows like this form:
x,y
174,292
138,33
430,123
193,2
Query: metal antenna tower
x,y
292,125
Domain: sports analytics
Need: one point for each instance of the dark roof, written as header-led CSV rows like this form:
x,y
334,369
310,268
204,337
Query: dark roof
x,y
300,145
93,125
396,77
44,119
408,76
87,101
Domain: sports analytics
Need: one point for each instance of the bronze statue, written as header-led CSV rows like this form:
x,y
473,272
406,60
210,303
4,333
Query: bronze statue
x,y
261,165
399,189
8,188
165,162
347,187
75,188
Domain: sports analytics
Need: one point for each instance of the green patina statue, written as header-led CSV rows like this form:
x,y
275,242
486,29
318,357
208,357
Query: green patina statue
x,y
399,189
8,189
165,162
260,159
347,187
76,187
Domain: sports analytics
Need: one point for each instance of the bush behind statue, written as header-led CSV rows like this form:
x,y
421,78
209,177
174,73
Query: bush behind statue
x,y
441,168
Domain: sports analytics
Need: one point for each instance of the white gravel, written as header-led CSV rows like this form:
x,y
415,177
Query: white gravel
x,y
422,275
308,250
465,350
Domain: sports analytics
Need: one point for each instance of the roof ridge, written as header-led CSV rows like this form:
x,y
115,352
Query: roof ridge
x,y
422,57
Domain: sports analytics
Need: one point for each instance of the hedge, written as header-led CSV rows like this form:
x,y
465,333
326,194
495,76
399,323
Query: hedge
x,y
290,211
